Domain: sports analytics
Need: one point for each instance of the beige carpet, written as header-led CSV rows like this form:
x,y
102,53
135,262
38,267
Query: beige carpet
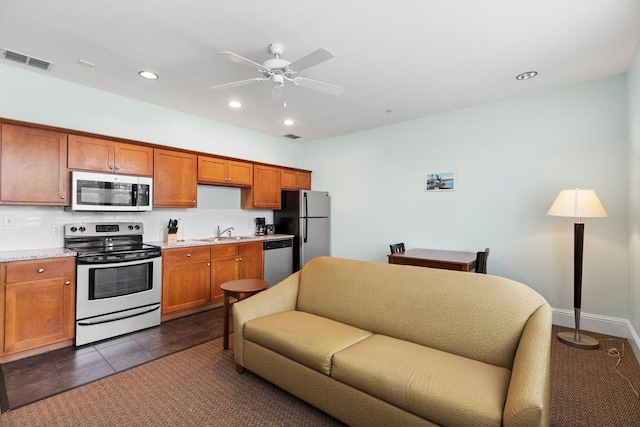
x,y
195,387
200,387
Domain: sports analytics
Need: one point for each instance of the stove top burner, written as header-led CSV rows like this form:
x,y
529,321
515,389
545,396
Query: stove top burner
x,y
108,242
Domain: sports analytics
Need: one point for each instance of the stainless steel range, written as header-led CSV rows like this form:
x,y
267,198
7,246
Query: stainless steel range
x,y
119,279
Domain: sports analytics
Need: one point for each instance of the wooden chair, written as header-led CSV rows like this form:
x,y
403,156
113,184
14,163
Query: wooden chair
x,y
481,261
398,247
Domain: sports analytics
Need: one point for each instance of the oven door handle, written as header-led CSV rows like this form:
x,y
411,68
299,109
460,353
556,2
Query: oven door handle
x,y
101,319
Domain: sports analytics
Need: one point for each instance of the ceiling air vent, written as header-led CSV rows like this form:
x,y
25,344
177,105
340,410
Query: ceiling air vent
x,y
27,60
291,136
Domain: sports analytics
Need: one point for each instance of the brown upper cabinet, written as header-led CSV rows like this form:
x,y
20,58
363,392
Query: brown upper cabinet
x,y
265,192
174,179
218,171
101,155
33,166
295,180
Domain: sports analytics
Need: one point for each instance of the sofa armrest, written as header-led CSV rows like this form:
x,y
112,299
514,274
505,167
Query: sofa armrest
x,y
276,299
528,398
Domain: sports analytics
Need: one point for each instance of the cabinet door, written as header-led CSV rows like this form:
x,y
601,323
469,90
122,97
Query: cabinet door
x,y
185,278
185,286
288,179
304,180
251,261
265,192
91,154
175,179
133,159
222,270
38,312
212,170
33,166
240,173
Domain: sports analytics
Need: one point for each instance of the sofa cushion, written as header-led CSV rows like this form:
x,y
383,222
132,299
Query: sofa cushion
x,y
305,338
441,387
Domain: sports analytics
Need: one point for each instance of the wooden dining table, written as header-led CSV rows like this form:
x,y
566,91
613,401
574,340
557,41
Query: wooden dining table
x,y
435,258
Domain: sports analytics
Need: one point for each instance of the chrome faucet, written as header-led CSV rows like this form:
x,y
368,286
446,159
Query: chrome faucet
x,y
220,233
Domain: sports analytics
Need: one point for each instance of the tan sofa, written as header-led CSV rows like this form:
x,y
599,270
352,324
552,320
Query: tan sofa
x,y
380,344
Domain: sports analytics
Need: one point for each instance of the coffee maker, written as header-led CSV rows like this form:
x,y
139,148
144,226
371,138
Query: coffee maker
x,y
260,226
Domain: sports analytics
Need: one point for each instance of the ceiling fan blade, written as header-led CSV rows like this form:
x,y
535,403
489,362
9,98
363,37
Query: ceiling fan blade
x,y
314,58
279,96
316,85
230,56
238,83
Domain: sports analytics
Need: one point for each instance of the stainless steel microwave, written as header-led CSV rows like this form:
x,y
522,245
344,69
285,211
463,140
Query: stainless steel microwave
x,y
92,191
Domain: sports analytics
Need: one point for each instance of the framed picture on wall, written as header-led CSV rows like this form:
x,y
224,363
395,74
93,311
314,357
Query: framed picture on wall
x,y
440,181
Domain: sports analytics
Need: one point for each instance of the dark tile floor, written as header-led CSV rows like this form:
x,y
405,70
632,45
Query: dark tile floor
x,y
34,378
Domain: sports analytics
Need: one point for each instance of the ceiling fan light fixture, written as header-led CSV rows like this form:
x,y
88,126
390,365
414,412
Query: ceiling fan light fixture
x,y
148,75
527,75
235,104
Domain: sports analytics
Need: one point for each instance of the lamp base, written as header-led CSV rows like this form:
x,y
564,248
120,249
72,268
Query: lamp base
x,y
576,339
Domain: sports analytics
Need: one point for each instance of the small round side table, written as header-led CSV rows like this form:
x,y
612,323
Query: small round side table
x,y
240,289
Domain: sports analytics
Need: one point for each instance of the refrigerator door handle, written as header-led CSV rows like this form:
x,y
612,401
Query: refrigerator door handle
x,y
306,228
306,217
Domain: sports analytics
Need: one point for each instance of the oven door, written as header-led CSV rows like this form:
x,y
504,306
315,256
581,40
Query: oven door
x,y
116,287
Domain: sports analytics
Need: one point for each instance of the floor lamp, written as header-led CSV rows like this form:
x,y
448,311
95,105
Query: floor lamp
x,y
577,204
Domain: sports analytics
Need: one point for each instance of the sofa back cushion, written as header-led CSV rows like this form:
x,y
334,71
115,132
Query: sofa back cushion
x,y
472,315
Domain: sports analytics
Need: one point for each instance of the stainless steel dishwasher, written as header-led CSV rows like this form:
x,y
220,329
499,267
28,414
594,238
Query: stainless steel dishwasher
x,y
278,260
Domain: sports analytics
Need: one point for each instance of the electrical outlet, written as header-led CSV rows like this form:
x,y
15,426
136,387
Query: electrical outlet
x,y
9,220
56,230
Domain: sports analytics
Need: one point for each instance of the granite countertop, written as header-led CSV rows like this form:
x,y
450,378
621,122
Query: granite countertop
x,y
223,241
30,254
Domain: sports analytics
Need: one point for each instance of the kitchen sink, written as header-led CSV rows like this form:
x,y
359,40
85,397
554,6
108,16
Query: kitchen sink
x,y
227,238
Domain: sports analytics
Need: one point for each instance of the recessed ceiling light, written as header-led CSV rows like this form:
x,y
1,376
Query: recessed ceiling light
x,y
526,76
235,104
86,63
148,75
289,122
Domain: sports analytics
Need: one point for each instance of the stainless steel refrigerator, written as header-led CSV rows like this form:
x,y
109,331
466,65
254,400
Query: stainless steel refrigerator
x,y
305,214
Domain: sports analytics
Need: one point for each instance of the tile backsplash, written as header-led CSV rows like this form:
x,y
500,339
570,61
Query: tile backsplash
x,y
41,227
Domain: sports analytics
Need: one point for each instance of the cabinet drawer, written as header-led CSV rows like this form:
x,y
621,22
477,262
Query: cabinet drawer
x,y
219,251
171,256
250,248
26,271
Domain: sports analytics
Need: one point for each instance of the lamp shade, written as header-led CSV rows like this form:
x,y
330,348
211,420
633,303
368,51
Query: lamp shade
x,y
577,203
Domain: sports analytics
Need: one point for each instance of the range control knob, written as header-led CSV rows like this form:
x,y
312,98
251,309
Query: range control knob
x,y
82,229
137,227
73,229
130,227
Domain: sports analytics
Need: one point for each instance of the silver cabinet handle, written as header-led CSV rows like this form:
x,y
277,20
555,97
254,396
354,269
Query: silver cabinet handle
x,y
62,196
188,255
41,270
68,282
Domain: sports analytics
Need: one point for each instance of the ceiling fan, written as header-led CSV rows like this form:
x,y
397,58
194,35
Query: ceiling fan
x,y
278,71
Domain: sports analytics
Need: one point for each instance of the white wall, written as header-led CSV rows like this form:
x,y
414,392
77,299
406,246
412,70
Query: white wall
x,y
633,78
38,98
511,158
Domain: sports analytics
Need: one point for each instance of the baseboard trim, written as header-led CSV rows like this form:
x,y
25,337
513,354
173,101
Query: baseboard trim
x,y
601,324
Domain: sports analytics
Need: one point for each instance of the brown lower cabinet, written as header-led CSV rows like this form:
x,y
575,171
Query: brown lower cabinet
x,y
37,304
185,278
191,277
234,261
